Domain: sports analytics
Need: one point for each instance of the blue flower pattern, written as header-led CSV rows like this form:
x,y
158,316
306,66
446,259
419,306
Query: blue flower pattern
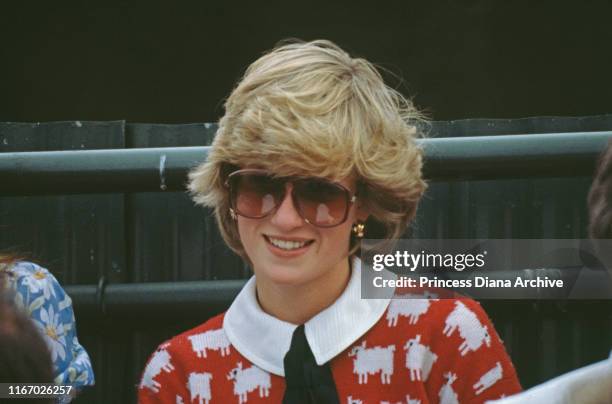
x,y
41,297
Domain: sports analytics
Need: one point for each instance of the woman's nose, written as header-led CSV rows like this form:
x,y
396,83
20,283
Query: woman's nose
x,y
287,216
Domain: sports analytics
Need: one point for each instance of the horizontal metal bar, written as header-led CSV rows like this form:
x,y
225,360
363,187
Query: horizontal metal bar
x,y
514,156
98,171
165,169
170,301
155,299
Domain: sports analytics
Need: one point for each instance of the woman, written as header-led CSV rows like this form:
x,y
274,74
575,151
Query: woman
x,y
39,295
314,152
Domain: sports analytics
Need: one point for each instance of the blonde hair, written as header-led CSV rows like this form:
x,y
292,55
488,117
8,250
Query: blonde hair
x,y
311,109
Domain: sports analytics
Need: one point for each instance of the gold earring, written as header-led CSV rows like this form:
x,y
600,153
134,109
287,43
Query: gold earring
x,y
359,229
232,213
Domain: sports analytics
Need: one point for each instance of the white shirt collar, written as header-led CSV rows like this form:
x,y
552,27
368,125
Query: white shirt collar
x,y
264,340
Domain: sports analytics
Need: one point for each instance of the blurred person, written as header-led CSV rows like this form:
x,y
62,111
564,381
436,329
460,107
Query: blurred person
x,y
591,384
36,292
314,153
594,280
600,209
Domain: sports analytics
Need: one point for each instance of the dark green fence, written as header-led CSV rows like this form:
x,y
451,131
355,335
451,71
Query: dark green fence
x,y
110,223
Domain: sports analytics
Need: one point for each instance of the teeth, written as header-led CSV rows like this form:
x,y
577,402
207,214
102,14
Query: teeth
x,y
287,245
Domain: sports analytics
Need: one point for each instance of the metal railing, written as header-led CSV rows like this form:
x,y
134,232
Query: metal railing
x,y
165,169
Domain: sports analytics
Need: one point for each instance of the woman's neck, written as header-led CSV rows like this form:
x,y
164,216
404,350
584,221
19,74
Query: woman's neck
x,y
297,304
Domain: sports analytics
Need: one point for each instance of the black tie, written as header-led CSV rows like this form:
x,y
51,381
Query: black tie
x,y
307,382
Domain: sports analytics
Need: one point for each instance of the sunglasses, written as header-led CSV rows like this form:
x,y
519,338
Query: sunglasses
x,y
255,194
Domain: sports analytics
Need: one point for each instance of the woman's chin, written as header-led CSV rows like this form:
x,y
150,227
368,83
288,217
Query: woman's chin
x,y
283,275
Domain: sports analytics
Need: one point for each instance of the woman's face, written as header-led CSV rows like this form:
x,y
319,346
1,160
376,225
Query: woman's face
x,y
286,250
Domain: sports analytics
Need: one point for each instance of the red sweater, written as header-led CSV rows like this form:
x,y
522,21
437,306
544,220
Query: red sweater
x,y
419,351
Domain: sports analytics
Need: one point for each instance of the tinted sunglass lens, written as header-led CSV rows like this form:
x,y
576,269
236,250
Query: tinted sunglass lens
x,y
256,195
322,203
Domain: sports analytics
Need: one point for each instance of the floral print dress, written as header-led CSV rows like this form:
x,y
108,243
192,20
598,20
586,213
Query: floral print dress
x,y
40,296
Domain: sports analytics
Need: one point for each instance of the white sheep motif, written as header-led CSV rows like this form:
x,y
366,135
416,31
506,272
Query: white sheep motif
x,y
408,401
249,379
160,361
214,340
351,400
447,394
199,387
419,359
489,379
470,328
371,361
408,306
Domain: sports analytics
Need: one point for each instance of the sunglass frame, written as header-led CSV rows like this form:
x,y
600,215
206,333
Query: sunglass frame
x,y
350,197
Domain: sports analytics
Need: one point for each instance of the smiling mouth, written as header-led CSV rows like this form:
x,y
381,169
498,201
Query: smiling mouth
x,y
288,245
